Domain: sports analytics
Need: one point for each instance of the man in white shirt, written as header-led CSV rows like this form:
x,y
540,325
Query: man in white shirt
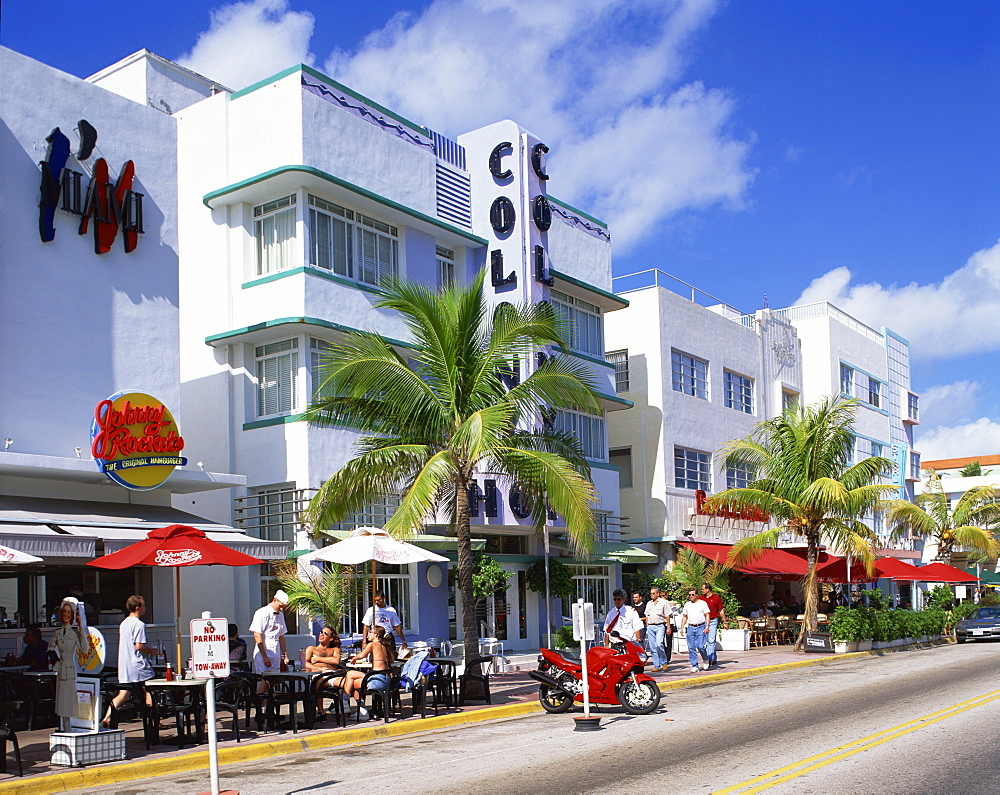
x,y
694,621
623,619
269,630
385,616
658,616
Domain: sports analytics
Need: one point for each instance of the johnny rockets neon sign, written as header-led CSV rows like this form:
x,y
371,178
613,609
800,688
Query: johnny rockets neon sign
x,y
110,206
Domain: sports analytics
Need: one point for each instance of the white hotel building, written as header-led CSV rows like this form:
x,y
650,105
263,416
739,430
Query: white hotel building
x,y
701,373
271,215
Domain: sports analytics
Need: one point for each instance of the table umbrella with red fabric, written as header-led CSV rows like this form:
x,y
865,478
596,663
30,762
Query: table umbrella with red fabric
x,y
942,572
846,571
175,546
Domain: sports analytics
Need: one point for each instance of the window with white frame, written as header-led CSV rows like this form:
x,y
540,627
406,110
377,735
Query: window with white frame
x,y
274,235
847,380
738,476
586,334
789,400
593,584
873,396
277,368
352,244
620,360
912,406
585,427
622,458
738,391
692,469
318,351
689,374
877,449
393,581
445,267
915,466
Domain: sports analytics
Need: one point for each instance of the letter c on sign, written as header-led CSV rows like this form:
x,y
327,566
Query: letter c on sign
x,y
498,152
537,152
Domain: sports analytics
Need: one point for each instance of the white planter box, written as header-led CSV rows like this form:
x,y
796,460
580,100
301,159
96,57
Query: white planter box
x,y
76,749
864,645
845,646
735,639
881,644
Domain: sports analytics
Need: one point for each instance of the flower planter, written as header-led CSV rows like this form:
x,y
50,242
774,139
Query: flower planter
x,y
845,646
735,639
865,645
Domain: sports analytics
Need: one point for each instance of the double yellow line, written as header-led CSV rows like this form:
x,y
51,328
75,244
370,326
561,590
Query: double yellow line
x,y
803,766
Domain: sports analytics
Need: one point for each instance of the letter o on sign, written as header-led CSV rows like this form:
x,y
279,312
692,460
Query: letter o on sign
x,y
502,215
541,212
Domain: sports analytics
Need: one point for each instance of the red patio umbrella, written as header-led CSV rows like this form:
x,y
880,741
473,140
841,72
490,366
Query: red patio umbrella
x,y
942,572
897,569
837,571
176,545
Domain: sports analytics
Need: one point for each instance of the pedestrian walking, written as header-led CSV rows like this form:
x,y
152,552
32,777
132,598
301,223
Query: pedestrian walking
x,y
658,615
639,605
623,618
718,612
694,623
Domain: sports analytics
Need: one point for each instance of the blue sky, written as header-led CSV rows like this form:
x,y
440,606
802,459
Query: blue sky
x,y
840,151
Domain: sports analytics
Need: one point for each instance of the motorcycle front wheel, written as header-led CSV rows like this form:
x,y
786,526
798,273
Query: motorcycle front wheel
x,y
639,699
554,700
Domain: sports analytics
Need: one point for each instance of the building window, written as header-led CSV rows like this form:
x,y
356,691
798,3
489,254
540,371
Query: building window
x,y
622,458
689,375
273,511
445,267
274,234
738,392
847,380
877,449
351,244
277,366
692,469
393,581
318,351
593,584
912,406
789,400
915,466
739,476
585,427
620,360
373,514
584,320
874,393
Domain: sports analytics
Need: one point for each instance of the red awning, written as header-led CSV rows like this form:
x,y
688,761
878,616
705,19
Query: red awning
x,y
897,569
716,552
837,572
942,572
775,564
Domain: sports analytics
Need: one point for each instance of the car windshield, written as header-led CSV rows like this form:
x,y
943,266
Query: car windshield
x,y
988,612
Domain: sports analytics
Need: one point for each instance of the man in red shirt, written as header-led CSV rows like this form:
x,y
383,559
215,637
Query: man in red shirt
x,y
714,602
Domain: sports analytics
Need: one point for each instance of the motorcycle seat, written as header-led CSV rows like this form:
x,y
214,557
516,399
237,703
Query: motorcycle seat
x,y
570,656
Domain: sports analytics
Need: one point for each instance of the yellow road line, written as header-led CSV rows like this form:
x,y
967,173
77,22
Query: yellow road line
x,y
803,766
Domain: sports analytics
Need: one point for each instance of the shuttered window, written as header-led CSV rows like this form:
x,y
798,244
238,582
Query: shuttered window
x,y
274,235
277,366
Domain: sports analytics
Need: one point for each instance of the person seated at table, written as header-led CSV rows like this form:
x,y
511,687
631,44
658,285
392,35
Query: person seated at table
x,y
378,649
760,612
35,654
237,646
323,657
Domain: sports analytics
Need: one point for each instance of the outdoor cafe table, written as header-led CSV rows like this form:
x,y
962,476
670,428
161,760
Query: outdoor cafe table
x,y
197,688
309,703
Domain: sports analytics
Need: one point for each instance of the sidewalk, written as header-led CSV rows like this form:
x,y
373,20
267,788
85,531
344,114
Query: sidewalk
x,y
513,694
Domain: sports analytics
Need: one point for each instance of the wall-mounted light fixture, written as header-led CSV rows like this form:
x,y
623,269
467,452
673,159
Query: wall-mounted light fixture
x,y
7,443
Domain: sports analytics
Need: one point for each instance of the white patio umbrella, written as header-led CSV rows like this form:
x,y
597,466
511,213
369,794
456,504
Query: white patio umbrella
x,y
376,545
8,555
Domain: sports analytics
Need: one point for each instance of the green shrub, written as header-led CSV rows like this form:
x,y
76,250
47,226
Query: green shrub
x,y
563,639
940,598
961,611
990,598
849,625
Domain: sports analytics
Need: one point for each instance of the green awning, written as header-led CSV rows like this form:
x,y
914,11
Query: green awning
x,y
622,553
986,577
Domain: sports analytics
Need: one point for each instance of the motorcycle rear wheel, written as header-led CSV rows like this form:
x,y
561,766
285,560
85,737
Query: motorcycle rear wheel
x,y
639,699
554,701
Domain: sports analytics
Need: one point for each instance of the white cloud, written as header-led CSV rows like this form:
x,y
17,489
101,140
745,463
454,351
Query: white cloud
x,y
953,317
599,80
949,403
981,437
247,42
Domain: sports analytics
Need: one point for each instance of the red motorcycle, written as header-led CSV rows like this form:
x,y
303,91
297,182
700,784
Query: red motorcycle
x,y
614,675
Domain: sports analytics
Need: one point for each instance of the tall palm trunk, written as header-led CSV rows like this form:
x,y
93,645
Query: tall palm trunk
x,y
464,533
809,584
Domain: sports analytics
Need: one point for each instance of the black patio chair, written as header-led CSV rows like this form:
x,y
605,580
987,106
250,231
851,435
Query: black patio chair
x,y
183,704
444,686
229,697
324,687
253,698
386,699
41,698
475,682
8,710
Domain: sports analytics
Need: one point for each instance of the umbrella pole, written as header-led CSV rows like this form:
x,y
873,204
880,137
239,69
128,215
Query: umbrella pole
x,y
177,624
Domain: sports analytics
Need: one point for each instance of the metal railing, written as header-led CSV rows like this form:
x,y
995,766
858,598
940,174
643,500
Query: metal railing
x,y
654,277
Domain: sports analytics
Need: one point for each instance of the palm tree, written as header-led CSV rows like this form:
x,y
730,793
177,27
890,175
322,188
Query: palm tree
x,y
318,594
966,524
449,408
805,481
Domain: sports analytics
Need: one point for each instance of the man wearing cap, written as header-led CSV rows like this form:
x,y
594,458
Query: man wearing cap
x,y
269,630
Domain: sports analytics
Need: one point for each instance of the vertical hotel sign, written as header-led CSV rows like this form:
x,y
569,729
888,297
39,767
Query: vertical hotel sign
x,y
135,440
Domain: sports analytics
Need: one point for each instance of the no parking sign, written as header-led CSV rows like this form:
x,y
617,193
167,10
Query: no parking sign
x,y
210,647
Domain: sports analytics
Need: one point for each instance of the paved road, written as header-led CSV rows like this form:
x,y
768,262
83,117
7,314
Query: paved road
x,y
922,721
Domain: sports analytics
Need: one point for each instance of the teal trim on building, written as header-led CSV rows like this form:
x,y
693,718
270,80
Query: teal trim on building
x,y
249,426
311,271
285,321
266,81
602,465
315,172
578,211
589,288
615,399
586,358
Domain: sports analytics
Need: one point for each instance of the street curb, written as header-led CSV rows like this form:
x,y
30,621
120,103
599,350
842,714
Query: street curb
x,y
122,772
